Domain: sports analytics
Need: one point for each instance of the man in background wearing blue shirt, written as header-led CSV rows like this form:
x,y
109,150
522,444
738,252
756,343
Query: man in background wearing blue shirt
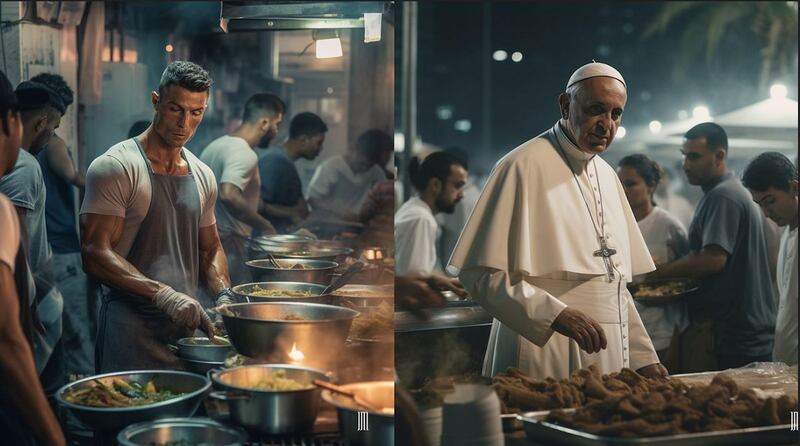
x,y
281,191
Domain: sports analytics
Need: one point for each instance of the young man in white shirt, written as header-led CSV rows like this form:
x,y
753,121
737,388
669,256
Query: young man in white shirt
x,y
440,179
771,179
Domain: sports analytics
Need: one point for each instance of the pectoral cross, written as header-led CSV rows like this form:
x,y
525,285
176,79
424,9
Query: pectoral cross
x,y
606,252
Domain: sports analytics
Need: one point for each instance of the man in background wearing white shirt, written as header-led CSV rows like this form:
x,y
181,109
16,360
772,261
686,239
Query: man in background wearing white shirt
x,y
234,162
771,179
440,179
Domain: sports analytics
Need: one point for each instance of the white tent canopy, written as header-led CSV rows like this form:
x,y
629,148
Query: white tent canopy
x,y
771,113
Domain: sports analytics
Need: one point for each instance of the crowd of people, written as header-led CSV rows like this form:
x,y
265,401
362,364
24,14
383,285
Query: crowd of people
x,y
557,235
151,239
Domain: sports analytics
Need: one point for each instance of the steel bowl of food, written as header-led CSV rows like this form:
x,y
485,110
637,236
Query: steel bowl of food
x,y
290,241
381,424
203,349
270,399
364,296
111,401
283,292
271,330
182,431
292,270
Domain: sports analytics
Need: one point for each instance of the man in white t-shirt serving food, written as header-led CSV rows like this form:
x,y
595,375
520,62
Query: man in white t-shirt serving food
x,y
149,233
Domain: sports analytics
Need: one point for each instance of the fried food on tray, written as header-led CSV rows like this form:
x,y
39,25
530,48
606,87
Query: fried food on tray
x,y
662,289
657,407
120,393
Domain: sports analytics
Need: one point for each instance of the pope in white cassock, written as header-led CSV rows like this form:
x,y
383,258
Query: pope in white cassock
x,y
552,243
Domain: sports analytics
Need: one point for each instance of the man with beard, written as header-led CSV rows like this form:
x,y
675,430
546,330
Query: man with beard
x,y
234,161
552,243
440,179
281,189
148,231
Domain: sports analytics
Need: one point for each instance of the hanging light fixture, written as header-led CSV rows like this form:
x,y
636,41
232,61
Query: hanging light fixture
x,y
328,44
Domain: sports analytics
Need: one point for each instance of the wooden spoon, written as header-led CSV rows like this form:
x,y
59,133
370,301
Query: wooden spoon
x,y
357,399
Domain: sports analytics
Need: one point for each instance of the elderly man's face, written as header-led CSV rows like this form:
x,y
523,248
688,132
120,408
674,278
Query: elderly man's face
x,y
594,112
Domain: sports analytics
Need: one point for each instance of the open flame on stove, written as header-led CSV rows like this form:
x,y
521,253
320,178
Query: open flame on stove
x,y
296,355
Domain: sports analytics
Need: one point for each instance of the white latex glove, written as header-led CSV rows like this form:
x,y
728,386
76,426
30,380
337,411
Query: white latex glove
x,y
183,310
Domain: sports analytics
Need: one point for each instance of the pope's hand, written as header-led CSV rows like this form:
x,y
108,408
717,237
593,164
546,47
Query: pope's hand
x,y
183,310
576,325
653,371
441,282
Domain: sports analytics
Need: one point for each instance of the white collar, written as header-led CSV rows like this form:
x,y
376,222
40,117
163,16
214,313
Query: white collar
x,y
572,151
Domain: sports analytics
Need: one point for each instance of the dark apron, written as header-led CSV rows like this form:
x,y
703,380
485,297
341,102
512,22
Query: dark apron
x,y
133,333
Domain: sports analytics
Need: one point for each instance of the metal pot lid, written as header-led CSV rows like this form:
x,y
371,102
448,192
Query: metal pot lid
x,y
195,422
442,318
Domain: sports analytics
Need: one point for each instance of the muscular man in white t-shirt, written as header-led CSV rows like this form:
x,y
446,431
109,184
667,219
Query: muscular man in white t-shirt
x,y
149,233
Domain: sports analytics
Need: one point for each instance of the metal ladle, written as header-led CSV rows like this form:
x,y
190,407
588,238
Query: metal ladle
x,y
342,280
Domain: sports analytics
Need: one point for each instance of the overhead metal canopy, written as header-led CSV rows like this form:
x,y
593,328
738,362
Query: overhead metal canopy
x,y
271,16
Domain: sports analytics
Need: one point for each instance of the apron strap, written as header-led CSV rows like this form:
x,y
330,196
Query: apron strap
x,y
147,161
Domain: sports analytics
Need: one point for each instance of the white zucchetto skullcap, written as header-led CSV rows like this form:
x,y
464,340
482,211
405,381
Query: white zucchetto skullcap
x,y
595,69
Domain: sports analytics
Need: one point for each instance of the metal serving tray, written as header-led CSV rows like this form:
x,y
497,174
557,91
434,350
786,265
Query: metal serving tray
x,y
538,430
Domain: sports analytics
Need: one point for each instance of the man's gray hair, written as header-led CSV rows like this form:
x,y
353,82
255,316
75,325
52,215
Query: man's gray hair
x,y
186,75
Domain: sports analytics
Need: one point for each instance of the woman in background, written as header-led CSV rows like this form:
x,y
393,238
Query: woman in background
x,y
667,240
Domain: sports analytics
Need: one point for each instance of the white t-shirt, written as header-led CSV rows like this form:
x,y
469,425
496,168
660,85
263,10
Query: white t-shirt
x,y
9,234
666,240
786,325
118,183
415,233
335,183
233,161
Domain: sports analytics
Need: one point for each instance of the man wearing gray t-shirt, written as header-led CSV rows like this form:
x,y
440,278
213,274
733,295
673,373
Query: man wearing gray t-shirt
x,y
728,255
235,165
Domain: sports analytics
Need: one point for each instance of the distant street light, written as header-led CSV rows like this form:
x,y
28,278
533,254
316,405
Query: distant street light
x,y
778,91
701,113
500,55
621,132
655,127
463,125
517,56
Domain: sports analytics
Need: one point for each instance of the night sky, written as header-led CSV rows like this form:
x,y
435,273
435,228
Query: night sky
x,y
555,39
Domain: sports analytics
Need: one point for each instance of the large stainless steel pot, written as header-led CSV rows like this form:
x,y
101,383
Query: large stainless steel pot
x,y
245,292
292,241
267,411
380,426
313,271
115,418
266,331
309,252
363,296
202,349
182,431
